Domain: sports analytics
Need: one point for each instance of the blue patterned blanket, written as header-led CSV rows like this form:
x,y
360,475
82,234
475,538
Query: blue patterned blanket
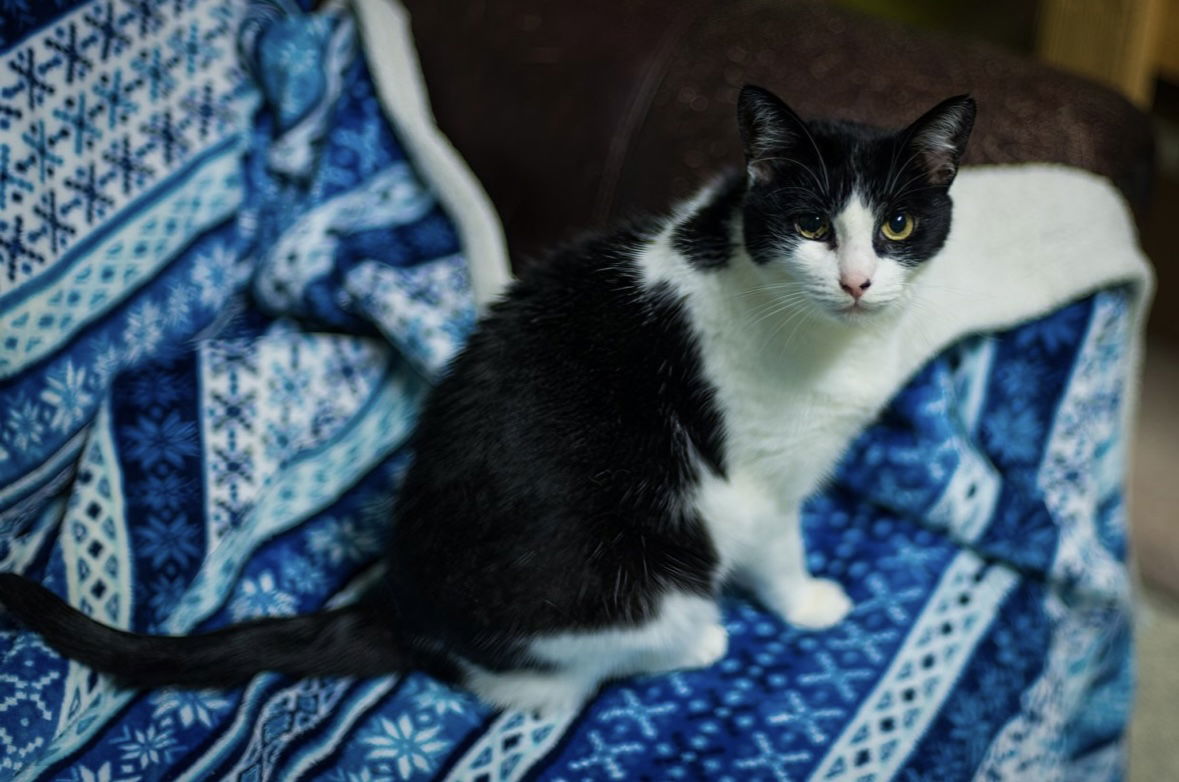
x,y
224,288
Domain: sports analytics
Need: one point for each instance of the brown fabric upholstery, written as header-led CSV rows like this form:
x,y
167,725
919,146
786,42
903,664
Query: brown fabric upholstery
x,y
573,114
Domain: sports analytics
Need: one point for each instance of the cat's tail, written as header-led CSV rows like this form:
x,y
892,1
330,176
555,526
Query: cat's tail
x,y
346,641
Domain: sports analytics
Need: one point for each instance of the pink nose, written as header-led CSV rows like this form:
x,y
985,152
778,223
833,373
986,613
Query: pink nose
x,y
855,284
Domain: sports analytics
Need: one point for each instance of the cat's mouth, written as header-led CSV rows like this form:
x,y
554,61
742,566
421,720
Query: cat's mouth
x,y
858,311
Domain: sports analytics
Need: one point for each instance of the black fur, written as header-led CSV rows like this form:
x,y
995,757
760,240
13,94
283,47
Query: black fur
x,y
822,163
558,475
300,646
551,458
706,237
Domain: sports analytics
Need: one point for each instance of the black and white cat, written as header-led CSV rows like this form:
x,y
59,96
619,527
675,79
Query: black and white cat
x,y
633,425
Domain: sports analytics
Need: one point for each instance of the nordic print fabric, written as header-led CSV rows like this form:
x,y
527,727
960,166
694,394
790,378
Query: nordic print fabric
x,y
224,287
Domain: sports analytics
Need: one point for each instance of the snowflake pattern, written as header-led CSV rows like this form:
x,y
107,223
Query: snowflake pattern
x,y
170,440
167,538
300,575
190,707
25,424
103,773
67,392
405,747
214,276
163,492
166,592
154,388
262,597
337,541
144,330
148,746
1014,434
365,774
441,700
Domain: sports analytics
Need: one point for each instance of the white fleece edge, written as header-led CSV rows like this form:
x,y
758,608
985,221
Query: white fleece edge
x,y
389,51
1026,240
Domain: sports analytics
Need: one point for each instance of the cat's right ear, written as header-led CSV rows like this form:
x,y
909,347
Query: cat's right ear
x,y
939,138
769,129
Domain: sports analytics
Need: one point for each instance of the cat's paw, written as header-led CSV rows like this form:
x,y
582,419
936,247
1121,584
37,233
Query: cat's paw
x,y
816,603
546,695
710,647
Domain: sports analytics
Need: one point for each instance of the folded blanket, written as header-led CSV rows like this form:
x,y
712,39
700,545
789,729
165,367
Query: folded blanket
x,y
234,255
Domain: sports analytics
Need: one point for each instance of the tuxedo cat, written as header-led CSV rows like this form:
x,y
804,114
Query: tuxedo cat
x,y
633,425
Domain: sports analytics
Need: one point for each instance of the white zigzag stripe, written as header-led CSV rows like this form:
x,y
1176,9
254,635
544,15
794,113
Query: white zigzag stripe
x,y
496,759
910,693
1025,747
97,559
303,489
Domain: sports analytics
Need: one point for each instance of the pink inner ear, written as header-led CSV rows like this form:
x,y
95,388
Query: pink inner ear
x,y
938,140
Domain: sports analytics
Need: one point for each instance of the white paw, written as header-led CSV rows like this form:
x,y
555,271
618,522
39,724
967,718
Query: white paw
x,y
816,603
548,695
711,646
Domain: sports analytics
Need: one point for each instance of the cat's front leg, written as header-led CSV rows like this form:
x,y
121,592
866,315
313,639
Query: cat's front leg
x,y
775,570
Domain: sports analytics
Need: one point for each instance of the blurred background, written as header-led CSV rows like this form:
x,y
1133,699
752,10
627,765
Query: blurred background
x,y
626,106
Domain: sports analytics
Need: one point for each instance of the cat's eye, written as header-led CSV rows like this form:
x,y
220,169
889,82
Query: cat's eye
x,y
812,226
898,227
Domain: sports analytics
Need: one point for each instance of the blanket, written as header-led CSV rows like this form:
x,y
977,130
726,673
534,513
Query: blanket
x,y
234,255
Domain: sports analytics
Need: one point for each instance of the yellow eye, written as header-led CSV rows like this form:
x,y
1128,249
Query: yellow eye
x,y
898,227
812,226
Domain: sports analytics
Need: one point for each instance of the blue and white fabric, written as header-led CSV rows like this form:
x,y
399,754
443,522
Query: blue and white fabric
x,y
227,282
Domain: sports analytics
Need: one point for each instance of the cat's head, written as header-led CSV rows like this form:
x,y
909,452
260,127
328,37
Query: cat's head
x,y
845,214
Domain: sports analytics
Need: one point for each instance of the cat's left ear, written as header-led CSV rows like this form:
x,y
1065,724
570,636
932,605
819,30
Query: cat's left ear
x,y
769,129
939,138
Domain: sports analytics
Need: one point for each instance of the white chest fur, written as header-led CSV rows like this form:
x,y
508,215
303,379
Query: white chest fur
x,y
793,390
786,425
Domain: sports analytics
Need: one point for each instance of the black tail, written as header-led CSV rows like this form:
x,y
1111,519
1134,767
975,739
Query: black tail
x,y
348,641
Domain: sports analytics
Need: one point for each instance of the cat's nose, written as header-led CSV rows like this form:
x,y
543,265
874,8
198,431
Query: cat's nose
x,y
855,284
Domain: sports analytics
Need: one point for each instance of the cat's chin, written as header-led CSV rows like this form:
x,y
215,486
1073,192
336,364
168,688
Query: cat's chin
x,y
860,313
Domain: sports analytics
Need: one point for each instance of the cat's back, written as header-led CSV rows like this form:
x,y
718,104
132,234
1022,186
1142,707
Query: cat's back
x,y
580,334
580,363
581,370
581,294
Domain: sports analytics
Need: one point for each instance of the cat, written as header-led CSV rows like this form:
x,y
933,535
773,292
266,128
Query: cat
x,y
635,423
